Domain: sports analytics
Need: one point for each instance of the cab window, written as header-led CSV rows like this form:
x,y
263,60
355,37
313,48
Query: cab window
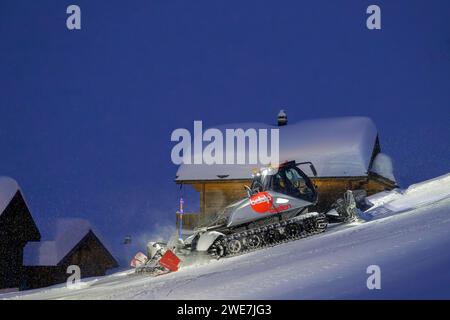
x,y
293,184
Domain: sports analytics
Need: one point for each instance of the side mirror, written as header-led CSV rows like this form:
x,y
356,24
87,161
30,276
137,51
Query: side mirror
x,y
249,191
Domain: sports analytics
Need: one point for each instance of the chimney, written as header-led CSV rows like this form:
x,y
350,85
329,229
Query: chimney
x,y
282,118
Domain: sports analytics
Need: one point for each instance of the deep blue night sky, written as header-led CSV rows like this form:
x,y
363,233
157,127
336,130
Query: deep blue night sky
x,y
86,116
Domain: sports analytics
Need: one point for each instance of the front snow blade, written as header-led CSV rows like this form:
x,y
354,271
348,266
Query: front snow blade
x,y
170,261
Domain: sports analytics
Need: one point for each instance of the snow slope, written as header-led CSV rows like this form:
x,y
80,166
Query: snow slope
x,y
410,246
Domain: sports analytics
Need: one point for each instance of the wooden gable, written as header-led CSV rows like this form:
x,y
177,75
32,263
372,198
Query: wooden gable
x,y
90,255
16,229
16,222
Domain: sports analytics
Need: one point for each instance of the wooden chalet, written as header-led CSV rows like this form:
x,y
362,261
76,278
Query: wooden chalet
x,y
345,151
46,263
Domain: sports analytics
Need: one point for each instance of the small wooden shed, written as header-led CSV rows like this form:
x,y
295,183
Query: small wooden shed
x,y
345,151
75,243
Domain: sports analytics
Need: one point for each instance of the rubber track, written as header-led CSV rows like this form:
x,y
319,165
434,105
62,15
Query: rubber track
x,y
308,218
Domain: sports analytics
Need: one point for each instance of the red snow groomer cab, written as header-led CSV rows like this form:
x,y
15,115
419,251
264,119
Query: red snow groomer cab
x,y
275,210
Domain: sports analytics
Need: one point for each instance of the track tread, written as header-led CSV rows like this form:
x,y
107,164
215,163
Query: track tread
x,y
311,223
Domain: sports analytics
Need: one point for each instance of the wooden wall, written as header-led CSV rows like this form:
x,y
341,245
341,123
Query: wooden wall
x,y
11,255
43,276
215,195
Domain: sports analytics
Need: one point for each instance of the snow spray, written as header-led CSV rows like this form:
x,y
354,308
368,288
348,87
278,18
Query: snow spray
x,y
181,217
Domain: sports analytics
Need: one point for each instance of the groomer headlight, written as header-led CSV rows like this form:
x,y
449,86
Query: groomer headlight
x,y
282,200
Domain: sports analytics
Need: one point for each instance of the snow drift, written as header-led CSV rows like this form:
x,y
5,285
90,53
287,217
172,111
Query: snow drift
x,y
417,195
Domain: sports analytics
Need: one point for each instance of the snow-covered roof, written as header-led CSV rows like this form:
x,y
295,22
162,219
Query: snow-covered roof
x,y
382,165
8,189
338,147
67,233
42,253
